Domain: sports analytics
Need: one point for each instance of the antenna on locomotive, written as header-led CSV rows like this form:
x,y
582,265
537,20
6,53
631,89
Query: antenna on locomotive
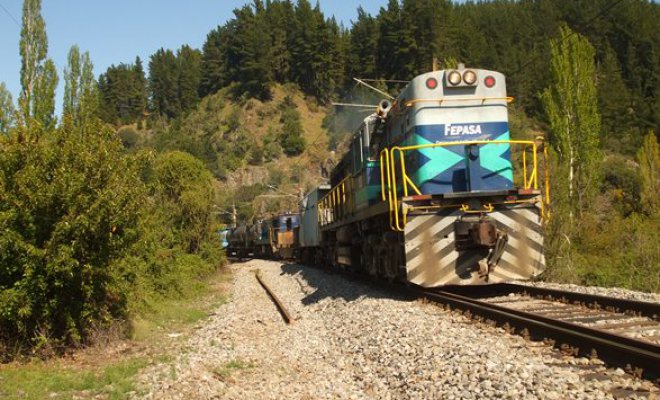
x,y
381,107
360,81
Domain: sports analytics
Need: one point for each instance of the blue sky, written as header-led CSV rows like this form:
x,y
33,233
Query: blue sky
x,y
116,31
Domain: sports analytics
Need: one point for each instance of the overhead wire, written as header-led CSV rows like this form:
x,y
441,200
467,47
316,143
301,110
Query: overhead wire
x,y
10,15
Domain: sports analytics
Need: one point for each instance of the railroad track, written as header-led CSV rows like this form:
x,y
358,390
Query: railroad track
x,y
622,333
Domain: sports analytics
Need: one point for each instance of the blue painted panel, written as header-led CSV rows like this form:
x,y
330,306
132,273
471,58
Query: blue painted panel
x,y
449,169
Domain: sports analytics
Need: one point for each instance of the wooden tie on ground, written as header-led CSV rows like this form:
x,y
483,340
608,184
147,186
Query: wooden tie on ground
x,y
280,307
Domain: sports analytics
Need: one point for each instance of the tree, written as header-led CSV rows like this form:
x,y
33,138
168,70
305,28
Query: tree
x,y
390,60
80,89
214,64
571,105
6,109
362,49
138,94
613,98
71,81
189,61
187,194
291,136
279,15
163,77
648,158
122,92
249,52
38,75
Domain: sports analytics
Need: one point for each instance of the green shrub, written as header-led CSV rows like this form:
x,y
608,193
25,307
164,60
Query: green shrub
x,y
69,211
129,137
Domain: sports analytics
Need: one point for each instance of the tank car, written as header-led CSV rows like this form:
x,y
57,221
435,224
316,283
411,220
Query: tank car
x,y
241,242
434,191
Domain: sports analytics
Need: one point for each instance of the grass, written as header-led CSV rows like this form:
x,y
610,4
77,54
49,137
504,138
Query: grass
x,y
113,376
39,380
175,315
225,371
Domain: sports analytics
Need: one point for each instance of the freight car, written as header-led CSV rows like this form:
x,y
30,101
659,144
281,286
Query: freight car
x,y
270,238
433,190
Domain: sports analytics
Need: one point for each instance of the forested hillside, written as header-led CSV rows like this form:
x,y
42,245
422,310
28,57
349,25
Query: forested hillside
x,y
114,204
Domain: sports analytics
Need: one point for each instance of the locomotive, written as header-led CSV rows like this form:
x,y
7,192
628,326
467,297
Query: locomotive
x,y
269,238
432,191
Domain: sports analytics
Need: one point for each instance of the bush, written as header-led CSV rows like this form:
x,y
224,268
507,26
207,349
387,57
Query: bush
x,y
129,137
290,137
69,212
186,193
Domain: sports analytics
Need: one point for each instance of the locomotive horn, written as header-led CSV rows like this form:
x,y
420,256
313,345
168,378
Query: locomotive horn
x,y
383,108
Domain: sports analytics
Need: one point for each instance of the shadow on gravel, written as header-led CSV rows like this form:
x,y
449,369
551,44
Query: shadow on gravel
x,y
336,285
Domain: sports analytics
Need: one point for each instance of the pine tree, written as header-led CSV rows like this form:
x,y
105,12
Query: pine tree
x,y
6,109
391,43
214,64
163,77
362,49
279,15
572,108
303,45
249,52
613,97
122,92
189,76
138,101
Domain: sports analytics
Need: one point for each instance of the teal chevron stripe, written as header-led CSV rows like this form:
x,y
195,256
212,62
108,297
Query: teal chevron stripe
x,y
440,160
492,160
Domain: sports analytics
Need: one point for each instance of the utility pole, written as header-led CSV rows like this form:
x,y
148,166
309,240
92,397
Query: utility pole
x,y
233,215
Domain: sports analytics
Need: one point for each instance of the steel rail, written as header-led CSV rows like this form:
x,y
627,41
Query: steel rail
x,y
280,307
643,308
647,309
643,358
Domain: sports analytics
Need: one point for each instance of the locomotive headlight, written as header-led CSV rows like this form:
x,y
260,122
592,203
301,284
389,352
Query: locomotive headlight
x,y
454,78
469,77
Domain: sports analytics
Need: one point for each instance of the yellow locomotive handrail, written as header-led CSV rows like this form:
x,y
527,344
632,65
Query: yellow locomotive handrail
x,y
337,203
389,175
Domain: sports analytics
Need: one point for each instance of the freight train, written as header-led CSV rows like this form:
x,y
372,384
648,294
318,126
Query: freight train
x,y
268,238
433,190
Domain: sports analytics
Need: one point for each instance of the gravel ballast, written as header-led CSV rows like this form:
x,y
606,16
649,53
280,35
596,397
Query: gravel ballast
x,y
353,341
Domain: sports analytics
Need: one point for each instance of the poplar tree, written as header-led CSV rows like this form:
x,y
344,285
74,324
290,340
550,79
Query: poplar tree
x,y
71,79
44,96
6,109
571,105
38,75
80,88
